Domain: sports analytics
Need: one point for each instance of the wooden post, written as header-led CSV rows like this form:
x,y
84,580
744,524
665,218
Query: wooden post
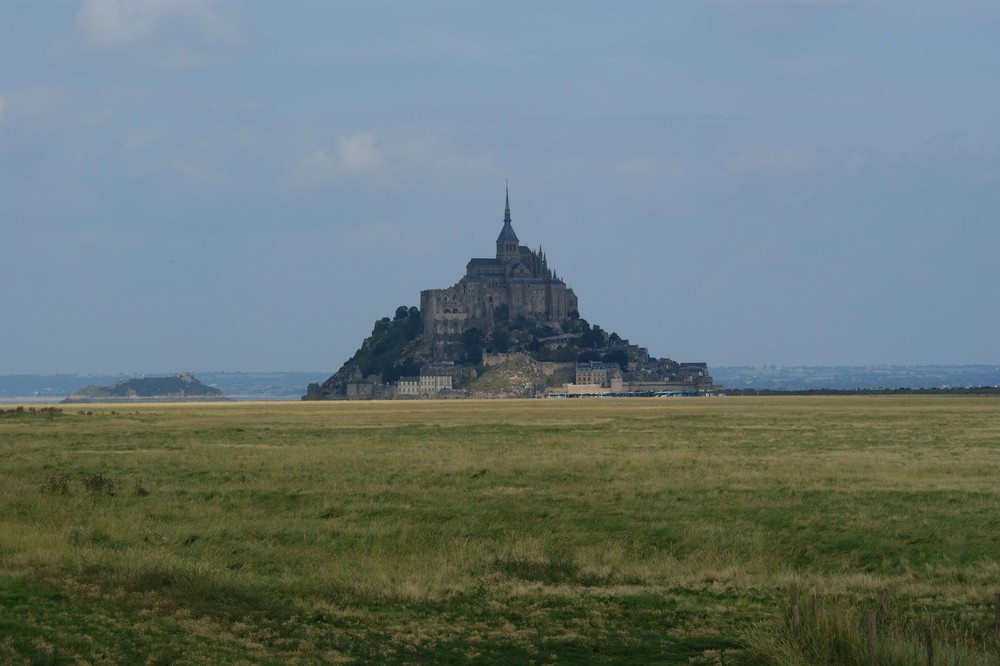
x,y
813,607
872,636
929,640
883,604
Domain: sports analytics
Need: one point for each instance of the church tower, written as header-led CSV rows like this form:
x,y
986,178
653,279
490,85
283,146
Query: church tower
x,y
507,243
517,279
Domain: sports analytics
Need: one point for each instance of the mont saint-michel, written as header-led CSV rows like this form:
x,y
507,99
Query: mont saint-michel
x,y
516,283
510,327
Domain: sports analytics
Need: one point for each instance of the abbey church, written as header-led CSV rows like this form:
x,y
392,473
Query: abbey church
x,y
518,278
510,327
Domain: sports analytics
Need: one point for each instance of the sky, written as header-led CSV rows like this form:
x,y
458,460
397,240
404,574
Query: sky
x,y
247,185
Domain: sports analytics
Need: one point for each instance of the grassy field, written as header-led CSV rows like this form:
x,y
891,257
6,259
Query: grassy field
x,y
547,532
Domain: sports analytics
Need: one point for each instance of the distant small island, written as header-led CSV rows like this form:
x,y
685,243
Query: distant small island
x,y
181,387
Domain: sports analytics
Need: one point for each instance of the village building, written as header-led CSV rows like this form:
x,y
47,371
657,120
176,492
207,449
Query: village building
x,y
433,383
429,384
408,387
604,375
367,388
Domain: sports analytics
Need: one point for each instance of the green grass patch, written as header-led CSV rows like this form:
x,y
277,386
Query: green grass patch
x,y
610,531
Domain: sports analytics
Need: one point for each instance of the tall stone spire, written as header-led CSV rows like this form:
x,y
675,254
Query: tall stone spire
x,y
506,208
507,242
507,233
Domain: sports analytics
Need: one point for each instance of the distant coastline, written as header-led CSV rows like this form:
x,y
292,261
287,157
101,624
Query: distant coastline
x,y
71,400
853,378
248,386
63,399
237,386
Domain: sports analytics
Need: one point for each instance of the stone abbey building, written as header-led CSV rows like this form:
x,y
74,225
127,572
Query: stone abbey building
x,y
516,297
517,277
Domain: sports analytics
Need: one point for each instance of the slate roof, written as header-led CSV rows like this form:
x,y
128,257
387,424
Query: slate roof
x,y
507,233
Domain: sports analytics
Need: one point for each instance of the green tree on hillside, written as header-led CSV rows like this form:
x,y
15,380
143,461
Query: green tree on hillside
x,y
472,346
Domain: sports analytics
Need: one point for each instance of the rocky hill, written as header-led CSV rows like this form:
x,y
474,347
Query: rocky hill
x,y
182,386
511,303
390,352
515,378
396,348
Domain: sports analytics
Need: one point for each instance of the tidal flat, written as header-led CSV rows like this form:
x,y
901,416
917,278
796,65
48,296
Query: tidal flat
x,y
678,531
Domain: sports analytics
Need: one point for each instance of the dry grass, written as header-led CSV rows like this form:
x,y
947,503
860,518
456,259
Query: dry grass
x,y
546,531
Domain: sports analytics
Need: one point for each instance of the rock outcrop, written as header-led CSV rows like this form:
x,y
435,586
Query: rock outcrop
x,y
182,386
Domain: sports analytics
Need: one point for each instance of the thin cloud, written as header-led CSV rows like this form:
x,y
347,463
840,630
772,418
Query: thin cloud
x,y
758,160
383,234
138,141
754,15
169,34
442,162
355,155
40,106
196,170
358,153
383,162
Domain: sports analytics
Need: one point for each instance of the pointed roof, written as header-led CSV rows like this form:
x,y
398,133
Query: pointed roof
x,y
507,233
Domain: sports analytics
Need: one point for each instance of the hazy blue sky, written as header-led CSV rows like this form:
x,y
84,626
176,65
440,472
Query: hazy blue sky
x,y
248,185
